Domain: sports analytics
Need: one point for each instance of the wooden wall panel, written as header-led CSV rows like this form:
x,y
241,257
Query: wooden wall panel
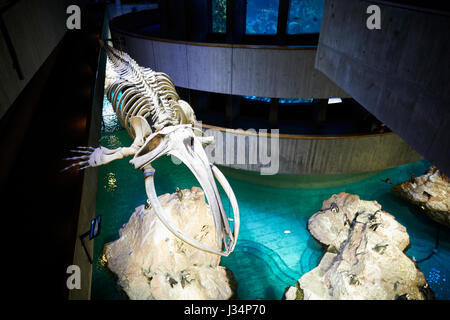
x,y
280,74
171,58
209,68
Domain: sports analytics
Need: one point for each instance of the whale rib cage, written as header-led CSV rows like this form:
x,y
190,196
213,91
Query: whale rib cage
x,y
143,92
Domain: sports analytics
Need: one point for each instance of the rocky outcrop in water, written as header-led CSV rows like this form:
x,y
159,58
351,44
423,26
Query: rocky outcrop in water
x,y
151,263
431,192
365,257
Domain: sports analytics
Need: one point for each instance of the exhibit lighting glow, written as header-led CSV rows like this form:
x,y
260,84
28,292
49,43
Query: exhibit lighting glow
x,y
299,100
261,99
281,101
334,100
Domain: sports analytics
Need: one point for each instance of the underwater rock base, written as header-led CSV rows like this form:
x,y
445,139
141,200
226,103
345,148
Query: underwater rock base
x,y
431,192
364,259
151,263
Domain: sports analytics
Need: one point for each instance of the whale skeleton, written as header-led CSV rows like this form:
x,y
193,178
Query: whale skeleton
x,y
149,108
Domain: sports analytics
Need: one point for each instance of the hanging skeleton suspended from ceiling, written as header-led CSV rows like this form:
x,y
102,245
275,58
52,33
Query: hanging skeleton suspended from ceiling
x,y
149,108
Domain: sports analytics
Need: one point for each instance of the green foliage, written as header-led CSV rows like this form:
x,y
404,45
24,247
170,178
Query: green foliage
x,y
219,13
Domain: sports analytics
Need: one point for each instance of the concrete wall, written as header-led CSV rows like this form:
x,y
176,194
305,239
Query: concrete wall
x,y
35,28
401,73
315,155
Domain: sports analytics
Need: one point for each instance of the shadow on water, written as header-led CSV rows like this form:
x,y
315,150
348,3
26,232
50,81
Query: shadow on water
x,y
263,271
310,257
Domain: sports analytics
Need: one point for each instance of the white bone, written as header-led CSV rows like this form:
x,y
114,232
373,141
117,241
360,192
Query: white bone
x,y
151,95
233,201
151,194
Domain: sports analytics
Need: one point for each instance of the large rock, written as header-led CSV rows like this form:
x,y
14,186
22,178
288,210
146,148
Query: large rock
x,y
431,192
151,263
365,257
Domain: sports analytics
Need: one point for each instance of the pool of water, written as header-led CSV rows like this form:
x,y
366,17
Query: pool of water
x,y
274,248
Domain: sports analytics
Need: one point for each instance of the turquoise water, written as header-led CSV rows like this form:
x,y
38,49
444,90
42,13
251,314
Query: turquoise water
x,y
274,248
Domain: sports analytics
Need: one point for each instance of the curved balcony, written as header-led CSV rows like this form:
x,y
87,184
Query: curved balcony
x,y
238,69
302,154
